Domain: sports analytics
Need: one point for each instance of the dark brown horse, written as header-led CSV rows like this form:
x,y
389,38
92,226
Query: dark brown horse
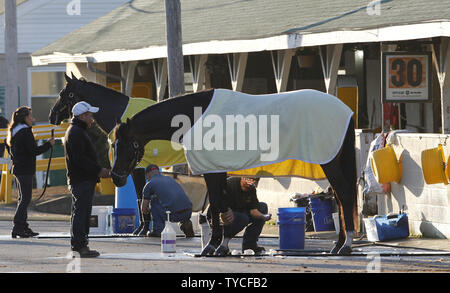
x,y
112,106
156,122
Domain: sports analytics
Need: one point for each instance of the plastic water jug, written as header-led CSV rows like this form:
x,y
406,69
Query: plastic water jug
x,y
168,237
204,230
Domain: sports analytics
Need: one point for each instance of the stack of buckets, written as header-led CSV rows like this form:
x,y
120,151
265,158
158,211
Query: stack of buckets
x,y
292,222
124,216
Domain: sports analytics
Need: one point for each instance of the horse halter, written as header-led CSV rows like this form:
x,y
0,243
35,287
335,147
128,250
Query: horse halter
x,y
138,154
68,106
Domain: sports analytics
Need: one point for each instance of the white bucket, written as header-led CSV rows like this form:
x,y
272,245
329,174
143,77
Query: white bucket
x,y
336,222
371,229
100,222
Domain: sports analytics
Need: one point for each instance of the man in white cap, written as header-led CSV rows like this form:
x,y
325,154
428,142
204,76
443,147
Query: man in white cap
x,y
83,172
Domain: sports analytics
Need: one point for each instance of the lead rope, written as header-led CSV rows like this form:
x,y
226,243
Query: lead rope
x,y
48,169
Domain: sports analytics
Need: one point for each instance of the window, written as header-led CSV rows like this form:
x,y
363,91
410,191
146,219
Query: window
x,y
45,83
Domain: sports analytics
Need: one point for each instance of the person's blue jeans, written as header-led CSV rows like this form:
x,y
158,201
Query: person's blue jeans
x,y
242,220
159,216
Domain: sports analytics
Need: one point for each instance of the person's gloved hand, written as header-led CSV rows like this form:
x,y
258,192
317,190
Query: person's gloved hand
x,y
227,217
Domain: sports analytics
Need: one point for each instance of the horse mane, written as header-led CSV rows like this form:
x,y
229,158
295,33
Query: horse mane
x,y
121,130
167,102
100,88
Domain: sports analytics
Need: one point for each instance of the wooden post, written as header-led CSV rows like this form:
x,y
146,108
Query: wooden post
x,y
281,62
237,62
330,66
11,58
160,72
174,48
441,64
127,71
197,64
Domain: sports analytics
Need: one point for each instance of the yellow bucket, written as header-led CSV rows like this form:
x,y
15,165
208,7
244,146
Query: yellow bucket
x,y
107,187
433,166
385,165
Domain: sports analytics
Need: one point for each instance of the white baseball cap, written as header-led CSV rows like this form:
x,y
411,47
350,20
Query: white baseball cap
x,y
83,107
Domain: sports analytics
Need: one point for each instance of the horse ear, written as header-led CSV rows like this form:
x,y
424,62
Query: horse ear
x,y
68,79
73,76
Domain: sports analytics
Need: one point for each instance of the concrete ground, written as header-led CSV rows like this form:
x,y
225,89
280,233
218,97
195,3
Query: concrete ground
x,y
49,253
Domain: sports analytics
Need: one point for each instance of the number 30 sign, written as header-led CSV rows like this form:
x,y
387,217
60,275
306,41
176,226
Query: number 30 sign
x,y
406,77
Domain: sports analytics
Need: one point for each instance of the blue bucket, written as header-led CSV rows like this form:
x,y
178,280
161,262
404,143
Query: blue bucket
x,y
292,228
123,220
126,197
322,213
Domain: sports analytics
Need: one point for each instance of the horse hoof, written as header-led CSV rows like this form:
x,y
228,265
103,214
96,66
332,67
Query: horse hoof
x,y
345,250
143,232
138,230
222,251
336,248
208,250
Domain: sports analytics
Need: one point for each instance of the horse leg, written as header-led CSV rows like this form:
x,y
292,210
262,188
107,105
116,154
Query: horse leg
x,y
216,233
216,184
341,238
341,173
138,176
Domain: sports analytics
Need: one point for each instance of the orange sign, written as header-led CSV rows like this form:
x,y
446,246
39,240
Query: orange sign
x,y
406,77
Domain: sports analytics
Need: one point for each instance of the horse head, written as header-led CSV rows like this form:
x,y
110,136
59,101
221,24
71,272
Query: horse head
x,y
128,152
67,98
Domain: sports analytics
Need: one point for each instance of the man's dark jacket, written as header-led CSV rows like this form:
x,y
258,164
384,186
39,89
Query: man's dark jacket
x,y
24,150
81,159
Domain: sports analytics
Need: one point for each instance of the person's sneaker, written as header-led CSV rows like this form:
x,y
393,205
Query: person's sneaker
x,y
85,252
256,249
222,251
187,229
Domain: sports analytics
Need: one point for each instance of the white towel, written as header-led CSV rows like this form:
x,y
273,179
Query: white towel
x,y
18,127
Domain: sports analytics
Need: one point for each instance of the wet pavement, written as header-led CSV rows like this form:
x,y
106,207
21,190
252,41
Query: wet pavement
x,y
50,253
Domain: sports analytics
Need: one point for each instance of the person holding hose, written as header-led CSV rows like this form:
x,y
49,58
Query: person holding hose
x,y
23,150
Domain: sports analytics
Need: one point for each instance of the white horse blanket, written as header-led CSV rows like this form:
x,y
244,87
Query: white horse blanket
x,y
240,131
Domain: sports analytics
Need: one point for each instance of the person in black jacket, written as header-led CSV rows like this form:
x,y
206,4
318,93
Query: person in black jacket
x,y
249,213
83,172
23,149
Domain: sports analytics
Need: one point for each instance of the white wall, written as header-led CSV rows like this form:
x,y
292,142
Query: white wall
x,y
428,206
276,192
373,92
24,63
41,22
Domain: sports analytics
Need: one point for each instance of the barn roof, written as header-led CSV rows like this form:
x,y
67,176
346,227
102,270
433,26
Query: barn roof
x,y
136,30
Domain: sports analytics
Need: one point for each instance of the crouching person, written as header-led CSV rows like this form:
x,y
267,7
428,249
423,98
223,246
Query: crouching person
x,y
161,194
248,213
